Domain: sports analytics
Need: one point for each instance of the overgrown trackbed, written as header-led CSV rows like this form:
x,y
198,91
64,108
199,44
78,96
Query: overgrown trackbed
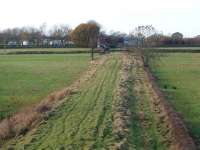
x,y
118,108
84,120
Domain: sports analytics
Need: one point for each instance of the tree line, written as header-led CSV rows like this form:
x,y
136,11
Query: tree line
x,y
35,37
148,36
90,34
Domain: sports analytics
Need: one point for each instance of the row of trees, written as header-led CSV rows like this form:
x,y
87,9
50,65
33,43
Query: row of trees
x,y
174,40
141,36
148,36
35,36
89,34
84,35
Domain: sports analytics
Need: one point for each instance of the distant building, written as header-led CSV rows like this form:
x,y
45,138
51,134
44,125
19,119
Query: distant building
x,y
69,43
25,43
130,41
102,46
55,43
45,42
12,43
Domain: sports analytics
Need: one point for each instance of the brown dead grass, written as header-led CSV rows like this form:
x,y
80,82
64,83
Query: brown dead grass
x,y
121,113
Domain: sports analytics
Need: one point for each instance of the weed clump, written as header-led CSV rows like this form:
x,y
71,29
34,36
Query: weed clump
x,y
174,87
165,86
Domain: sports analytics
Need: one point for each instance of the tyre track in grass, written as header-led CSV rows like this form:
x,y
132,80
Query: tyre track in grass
x,y
103,124
97,92
88,118
81,102
83,121
98,112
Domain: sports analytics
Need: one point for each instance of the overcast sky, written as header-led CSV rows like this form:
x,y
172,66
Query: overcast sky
x,y
119,15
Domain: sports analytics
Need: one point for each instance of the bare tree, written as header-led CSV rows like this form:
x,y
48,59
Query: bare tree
x,y
60,32
143,35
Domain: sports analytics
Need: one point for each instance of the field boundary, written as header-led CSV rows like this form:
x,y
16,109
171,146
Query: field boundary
x,y
25,52
165,50
61,51
44,52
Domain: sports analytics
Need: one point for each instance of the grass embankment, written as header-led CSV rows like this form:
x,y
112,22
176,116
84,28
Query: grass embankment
x,y
178,77
84,121
27,79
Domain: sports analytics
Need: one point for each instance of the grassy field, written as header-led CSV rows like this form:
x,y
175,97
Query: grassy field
x,y
26,79
84,121
179,77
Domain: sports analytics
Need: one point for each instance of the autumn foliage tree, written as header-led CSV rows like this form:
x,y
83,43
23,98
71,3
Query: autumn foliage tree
x,y
86,34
